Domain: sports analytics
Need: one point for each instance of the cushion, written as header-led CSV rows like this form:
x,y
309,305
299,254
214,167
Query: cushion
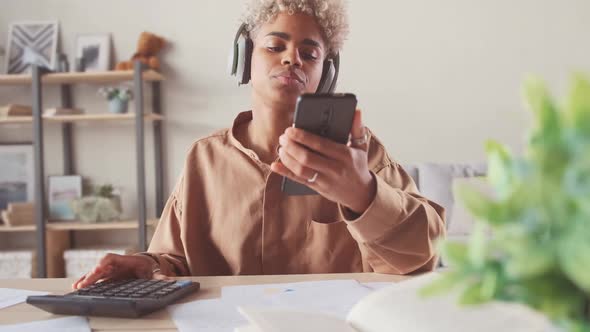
x,y
412,171
462,219
436,182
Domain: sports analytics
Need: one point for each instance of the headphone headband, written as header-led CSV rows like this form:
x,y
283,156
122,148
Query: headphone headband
x,y
241,55
242,30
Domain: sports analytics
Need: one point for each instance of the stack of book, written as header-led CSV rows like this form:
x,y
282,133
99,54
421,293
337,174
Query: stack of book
x,y
12,110
19,214
15,110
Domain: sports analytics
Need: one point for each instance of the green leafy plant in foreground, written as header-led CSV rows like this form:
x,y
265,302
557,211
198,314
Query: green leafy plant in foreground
x,y
538,253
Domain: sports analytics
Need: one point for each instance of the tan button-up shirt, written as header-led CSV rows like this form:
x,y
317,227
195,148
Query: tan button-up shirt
x,y
228,216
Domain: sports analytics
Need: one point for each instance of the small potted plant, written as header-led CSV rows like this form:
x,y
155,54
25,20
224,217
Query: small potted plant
x,y
118,98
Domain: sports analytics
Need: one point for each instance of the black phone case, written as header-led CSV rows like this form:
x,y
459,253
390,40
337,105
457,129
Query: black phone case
x,y
326,115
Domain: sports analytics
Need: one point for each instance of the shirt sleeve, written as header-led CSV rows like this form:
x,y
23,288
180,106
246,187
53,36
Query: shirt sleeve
x,y
167,246
397,232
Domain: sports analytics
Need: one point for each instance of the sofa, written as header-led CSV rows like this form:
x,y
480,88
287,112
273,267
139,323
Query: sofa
x,y
436,181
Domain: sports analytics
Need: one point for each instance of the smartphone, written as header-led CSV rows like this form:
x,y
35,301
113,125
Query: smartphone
x,y
326,115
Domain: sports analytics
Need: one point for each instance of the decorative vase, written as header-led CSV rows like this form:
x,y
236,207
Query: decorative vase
x,y
92,209
117,105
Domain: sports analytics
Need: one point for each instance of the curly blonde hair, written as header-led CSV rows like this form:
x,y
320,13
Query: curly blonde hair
x,y
330,15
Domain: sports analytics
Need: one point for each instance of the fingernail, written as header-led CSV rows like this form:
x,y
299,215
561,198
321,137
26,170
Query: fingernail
x,y
282,140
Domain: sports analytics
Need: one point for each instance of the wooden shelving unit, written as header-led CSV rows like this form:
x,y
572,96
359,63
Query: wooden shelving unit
x,y
54,237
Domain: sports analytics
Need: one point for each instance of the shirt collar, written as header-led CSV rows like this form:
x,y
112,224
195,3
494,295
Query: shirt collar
x,y
243,117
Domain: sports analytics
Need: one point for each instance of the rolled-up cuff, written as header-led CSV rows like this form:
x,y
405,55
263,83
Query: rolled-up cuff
x,y
383,211
163,265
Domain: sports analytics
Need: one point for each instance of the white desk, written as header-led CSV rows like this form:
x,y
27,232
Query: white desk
x,y
160,320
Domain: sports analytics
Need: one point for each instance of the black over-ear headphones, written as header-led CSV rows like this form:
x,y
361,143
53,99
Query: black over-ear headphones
x,y
241,56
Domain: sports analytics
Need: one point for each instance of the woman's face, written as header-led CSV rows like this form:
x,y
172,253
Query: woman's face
x,y
287,58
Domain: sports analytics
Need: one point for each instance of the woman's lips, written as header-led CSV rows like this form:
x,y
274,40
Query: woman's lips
x,y
289,80
290,77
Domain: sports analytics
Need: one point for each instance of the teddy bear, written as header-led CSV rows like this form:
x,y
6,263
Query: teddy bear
x,y
148,46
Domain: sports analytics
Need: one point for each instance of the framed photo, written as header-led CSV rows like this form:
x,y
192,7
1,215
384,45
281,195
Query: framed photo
x,y
17,181
95,51
63,189
31,43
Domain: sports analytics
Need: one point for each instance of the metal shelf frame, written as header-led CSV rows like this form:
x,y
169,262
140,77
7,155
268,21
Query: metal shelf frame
x,y
37,83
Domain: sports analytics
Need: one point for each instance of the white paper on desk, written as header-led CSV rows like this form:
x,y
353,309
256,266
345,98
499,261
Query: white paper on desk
x,y
67,324
334,297
11,296
206,315
378,285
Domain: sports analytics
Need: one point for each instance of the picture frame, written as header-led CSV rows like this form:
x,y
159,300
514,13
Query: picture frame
x,y
17,178
62,191
31,42
95,50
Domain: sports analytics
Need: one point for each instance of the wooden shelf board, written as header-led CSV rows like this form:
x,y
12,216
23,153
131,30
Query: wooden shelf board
x,y
16,119
12,229
81,118
101,117
84,77
78,226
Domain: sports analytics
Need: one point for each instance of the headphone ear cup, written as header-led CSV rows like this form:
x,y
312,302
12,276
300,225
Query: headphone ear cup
x,y
232,60
326,82
240,58
247,61
243,59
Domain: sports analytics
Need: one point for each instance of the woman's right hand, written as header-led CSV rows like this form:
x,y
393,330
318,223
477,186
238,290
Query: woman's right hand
x,y
116,267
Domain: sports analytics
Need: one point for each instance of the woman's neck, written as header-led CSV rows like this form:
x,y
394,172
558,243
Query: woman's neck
x,y
268,123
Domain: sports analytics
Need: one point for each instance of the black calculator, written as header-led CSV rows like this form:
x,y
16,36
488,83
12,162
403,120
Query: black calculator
x,y
126,298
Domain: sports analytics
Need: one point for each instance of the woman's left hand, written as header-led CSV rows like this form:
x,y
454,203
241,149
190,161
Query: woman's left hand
x,y
336,171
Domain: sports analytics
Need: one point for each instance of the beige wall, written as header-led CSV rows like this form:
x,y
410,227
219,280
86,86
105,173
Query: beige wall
x,y
435,78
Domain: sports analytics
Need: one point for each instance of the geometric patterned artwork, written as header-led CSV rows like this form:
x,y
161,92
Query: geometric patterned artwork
x,y
30,43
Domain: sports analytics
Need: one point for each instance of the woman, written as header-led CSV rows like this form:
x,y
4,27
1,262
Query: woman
x,y
227,214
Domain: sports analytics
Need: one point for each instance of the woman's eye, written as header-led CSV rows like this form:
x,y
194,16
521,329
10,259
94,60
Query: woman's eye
x,y
275,48
309,56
